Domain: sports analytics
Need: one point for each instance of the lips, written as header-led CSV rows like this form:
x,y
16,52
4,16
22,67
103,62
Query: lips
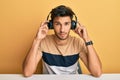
x,y
62,34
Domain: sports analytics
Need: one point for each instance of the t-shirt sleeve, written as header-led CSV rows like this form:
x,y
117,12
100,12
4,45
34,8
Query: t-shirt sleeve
x,y
82,47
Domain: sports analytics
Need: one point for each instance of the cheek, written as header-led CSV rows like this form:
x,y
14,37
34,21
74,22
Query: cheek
x,y
56,29
68,28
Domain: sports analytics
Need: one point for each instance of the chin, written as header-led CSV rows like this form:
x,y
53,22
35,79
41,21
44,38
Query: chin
x,y
63,38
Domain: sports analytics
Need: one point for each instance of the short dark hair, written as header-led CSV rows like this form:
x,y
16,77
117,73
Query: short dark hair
x,y
61,11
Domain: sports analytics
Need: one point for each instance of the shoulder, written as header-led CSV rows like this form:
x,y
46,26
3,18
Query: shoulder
x,y
77,40
48,38
46,42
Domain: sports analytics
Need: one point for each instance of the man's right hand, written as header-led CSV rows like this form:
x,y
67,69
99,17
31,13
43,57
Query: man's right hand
x,y
42,32
32,59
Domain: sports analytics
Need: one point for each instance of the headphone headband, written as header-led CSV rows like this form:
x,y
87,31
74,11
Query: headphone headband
x,y
48,15
73,14
73,23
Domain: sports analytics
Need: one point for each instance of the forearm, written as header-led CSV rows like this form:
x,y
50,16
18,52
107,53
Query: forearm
x,y
94,63
31,61
34,55
89,56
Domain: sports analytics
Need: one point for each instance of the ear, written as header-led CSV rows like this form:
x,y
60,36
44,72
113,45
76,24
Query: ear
x,y
73,24
50,24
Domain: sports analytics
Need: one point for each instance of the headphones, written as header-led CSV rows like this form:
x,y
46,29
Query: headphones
x,y
73,22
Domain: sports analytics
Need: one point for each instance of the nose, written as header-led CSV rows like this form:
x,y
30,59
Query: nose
x,y
62,28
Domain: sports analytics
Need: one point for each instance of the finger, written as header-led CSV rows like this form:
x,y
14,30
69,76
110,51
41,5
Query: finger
x,y
77,30
79,23
44,23
45,27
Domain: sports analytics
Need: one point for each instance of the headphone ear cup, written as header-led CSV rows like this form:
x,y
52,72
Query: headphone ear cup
x,y
50,24
73,24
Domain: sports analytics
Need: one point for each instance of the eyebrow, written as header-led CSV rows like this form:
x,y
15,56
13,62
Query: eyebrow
x,y
59,22
67,22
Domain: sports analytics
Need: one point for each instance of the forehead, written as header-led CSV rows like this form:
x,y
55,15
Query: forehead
x,y
62,19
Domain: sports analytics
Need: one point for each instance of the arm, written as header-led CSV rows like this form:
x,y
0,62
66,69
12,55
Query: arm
x,y
33,57
89,58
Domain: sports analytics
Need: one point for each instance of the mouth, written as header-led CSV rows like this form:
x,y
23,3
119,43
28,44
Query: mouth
x,y
62,34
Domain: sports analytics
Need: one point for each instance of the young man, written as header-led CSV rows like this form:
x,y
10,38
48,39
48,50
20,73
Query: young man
x,y
60,52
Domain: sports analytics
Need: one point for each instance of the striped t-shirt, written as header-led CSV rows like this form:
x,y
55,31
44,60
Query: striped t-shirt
x,y
61,59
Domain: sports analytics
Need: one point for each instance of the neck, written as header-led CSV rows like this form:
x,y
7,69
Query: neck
x,y
59,41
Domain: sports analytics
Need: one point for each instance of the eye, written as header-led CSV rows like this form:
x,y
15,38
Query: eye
x,y
67,23
57,23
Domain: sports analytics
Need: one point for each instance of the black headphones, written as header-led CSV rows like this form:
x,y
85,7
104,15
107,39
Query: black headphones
x,y
73,22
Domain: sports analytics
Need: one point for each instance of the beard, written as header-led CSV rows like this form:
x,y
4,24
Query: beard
x,y
62,35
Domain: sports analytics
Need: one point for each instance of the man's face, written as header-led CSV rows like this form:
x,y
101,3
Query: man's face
x,y
62,27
